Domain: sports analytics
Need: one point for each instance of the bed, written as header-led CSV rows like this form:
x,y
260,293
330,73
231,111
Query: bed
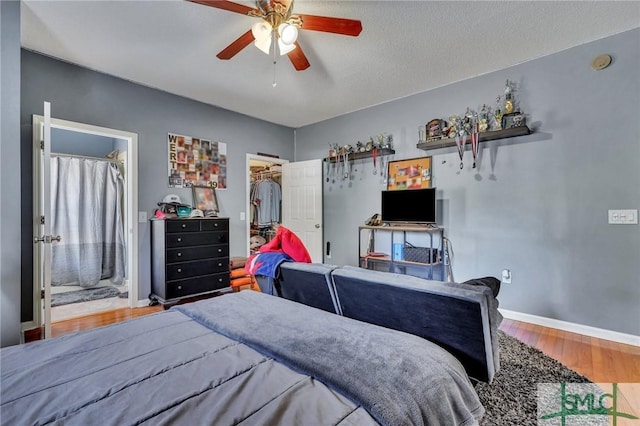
x,y
243,358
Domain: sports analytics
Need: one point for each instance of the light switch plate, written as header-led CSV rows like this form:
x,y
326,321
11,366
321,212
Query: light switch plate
x,y
623,217
142,217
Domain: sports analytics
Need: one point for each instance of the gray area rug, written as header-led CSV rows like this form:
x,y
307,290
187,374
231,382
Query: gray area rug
x,y
85,295
511,398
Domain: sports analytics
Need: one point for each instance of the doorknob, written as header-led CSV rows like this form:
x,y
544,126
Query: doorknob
x,y
317,226
47,239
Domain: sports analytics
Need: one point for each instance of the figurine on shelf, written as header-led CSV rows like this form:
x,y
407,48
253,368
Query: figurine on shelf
x,y
421,132
508,98
388,143
497,115
434,129
483,119
518,120
369,145
454,120
467,121
360,147
333,150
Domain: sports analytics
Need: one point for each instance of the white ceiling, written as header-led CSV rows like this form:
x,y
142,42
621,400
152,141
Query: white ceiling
x,y
405,47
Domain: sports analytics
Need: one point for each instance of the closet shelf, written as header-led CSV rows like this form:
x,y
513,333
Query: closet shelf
x,y
482,137
360,155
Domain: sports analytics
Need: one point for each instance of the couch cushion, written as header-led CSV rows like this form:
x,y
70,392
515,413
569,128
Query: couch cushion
x,y
454,316
308,283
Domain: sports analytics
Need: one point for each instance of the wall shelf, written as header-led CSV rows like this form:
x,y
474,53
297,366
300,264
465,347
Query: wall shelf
x,y
482,137
360,155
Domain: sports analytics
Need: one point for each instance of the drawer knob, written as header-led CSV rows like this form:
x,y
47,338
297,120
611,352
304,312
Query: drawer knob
x,y
179,239
215,225
219,250
184,225
179,254
219,280
179,287
179,270
219,264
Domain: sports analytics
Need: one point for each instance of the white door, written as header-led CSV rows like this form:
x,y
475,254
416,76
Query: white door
x,y
42,237
302,203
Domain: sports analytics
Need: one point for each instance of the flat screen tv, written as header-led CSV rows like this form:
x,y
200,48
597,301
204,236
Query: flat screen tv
x,y
409,206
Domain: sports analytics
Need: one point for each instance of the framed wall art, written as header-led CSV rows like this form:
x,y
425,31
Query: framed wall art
x,y
205,199
196,162
414,173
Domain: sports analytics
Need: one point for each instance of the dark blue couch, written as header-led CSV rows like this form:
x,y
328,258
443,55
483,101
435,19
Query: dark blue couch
x,y
461,318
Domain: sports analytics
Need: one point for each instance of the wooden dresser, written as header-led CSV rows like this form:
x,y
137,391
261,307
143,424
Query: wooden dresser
x,y
189,257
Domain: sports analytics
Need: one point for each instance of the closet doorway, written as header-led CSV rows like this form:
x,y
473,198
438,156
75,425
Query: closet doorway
x,y
93,198
264,199
300,207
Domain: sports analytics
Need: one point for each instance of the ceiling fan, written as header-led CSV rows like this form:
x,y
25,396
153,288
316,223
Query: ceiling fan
x,y
279,28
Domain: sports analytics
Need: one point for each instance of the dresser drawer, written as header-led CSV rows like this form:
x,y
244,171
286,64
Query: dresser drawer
x,y
186,225
197,253
176,271
214,225
194,286
196,239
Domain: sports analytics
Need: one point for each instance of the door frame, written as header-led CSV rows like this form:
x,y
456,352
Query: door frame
x,y
131,223
247,217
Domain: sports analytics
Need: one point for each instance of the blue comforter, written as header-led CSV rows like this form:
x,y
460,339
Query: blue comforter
x,y
244,358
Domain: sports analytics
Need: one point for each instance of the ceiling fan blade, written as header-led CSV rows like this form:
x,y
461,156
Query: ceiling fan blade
x,y
231,50
326,24
226,5
298,58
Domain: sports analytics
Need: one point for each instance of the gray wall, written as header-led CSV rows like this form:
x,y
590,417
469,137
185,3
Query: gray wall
x,y
537,204
10,172
78,94
68,142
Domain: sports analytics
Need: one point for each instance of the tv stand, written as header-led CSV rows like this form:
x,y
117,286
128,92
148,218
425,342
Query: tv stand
x,y
424,262
419,226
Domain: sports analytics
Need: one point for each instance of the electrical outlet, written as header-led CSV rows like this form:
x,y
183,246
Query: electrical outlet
x,y
506,276
142,217
242,216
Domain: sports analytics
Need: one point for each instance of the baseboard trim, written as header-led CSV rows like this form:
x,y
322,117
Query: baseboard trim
x,y
142,303
600,333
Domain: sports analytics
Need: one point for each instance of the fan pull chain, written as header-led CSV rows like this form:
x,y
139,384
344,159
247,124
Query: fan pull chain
x,y
275,57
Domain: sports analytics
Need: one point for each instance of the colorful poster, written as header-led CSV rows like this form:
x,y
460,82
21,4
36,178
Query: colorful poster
x,y
409,174
196,162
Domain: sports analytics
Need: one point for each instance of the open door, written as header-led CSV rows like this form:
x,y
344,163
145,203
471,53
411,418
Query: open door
x,y
302,204
42,205
42,237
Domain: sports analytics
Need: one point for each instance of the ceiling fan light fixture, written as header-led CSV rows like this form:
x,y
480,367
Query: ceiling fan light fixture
x,y
288,33
285,48
263,44
262,33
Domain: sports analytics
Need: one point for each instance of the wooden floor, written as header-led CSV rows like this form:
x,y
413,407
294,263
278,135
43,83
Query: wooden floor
x,y
601,361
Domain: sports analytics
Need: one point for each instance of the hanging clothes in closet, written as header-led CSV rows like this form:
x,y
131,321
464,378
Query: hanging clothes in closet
x,y
266,196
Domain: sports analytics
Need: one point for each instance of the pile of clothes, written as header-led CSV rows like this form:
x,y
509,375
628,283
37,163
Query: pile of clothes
x,y
284,247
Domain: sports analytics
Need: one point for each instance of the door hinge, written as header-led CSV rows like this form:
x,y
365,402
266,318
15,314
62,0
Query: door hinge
x,y
42,145
41,220
42,294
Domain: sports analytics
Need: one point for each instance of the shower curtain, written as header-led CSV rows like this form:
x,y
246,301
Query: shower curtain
x,y
86,211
